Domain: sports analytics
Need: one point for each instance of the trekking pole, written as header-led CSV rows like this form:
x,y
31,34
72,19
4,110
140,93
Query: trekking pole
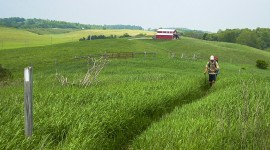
x,y
205,77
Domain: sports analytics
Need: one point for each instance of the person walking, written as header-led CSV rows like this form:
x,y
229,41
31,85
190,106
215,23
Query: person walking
x,y
212,68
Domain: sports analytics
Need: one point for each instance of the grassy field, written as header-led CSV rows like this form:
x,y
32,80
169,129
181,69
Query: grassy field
x,y
268,49
17,38
160,102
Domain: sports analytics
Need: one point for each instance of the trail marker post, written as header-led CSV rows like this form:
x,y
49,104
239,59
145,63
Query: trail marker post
x,y
28,103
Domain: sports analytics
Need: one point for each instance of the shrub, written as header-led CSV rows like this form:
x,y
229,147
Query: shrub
x,y
82,39
261,64
125,35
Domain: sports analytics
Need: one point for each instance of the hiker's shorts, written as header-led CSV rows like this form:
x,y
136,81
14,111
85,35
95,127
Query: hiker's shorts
x,y
212,77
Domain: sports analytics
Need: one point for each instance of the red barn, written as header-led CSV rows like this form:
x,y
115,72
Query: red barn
x,y
168,34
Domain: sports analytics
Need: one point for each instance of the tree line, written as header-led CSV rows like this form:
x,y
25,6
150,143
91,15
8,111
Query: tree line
x,y
95,37
18,22
257,38
198,34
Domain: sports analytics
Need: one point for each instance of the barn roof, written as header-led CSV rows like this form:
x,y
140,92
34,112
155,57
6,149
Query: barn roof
x,y
164,34
172,30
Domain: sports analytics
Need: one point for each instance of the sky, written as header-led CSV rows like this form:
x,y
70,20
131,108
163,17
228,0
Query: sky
x,y
206,15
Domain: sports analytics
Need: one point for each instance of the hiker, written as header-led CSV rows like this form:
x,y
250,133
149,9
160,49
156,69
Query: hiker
x,y
212,67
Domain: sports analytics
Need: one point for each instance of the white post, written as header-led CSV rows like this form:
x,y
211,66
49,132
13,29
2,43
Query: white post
x,y
28,104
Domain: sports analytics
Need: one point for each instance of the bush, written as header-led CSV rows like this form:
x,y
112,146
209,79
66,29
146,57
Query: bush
x,y
261,64
125,35
5,74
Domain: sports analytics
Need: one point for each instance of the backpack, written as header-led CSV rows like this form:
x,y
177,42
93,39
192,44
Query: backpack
x,y
216,58
212,66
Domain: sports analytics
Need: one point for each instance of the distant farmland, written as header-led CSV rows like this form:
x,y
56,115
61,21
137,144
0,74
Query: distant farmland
x,y
17,38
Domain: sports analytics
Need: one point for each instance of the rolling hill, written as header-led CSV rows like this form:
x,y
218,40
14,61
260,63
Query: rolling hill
x,y
160,101
17,38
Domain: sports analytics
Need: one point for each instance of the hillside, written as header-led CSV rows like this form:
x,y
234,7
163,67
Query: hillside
x,y
149,101
17,38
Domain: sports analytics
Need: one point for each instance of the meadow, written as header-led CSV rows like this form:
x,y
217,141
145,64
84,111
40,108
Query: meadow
x,y
17,38
161,102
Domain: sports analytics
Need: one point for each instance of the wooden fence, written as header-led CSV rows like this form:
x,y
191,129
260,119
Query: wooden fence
x,y
119,55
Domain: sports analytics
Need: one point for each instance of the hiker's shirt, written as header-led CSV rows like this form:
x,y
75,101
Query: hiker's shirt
x,y
212,67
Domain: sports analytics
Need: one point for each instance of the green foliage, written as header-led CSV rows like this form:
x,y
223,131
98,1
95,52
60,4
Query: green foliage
x,y
248,37
261,64
191,33
95,37
125,35
228,35
41,23
117,27
258,38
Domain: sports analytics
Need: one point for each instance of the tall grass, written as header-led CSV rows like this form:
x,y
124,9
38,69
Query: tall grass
x,y
109,115
140,103
235,115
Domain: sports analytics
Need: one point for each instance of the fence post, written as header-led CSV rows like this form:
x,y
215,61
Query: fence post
x,y
28,104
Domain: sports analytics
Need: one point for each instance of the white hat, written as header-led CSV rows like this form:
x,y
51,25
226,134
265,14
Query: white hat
x,y
212,57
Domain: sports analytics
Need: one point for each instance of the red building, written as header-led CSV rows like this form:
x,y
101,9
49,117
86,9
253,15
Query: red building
x,y
168,34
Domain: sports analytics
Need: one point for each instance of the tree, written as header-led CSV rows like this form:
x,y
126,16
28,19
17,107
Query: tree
x,y
263,37
249,38
229,35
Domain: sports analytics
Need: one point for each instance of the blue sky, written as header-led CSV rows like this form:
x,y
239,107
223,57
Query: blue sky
x,y
207,15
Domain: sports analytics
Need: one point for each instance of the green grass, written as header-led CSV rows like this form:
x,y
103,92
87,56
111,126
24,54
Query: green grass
x,y
268,49
42,31
15,38
234,115
138,103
